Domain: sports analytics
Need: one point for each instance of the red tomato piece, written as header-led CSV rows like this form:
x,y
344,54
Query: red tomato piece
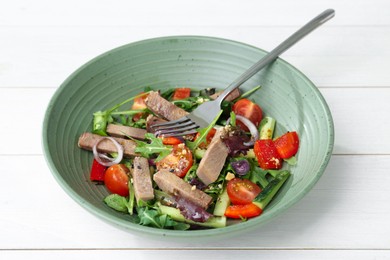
x,y
97,171
266,154
171,140
243,211
179,161
181,93
287,145
116,179
209,137
138,104
242,191
246,108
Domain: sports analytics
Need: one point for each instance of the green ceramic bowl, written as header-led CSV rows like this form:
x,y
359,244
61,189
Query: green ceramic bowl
x,y
196,62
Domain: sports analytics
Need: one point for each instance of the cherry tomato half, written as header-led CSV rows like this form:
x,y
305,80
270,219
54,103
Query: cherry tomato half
x,y
116,179
287,145
243,211
266,154
246,108
209,137
138,104
179,161
181,93
242,191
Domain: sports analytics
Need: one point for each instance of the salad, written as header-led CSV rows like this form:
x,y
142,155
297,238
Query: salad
x,y
231,169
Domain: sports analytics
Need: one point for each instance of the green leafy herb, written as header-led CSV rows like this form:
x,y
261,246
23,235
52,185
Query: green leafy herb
x,y
155,146
191,174
117,202
129,112
151,217
190,103
257,175
249,92
167,94
202,134
102,118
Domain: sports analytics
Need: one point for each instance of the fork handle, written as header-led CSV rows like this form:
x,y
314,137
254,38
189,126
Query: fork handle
x,y
271,56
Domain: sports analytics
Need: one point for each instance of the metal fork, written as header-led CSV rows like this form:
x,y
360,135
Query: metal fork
x,y
203,115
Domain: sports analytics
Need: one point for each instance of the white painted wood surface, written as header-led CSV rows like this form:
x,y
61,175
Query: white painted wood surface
x,y
345,216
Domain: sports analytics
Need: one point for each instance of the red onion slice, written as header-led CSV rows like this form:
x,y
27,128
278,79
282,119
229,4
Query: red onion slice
x,y
252,128
108,161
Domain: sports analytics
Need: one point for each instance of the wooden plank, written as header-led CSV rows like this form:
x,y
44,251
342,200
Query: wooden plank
x,y
325,57
360,117
347,209
200,12
362,130
216,254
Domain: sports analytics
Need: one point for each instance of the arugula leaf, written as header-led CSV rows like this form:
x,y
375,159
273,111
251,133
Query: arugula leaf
x,y
203,134
152,217
155,146
117,202
146,216
149,217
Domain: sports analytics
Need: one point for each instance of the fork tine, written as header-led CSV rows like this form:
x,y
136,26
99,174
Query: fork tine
x,y
190,132
171,131
177,125
183,133
169,123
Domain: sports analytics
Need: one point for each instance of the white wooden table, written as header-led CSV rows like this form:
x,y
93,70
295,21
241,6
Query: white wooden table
x,y
346,215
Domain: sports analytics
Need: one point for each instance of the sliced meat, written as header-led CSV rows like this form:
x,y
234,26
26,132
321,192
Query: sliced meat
x,y
232,96
151,120
142,179
163,108
174,185
88,140
213,160
125,131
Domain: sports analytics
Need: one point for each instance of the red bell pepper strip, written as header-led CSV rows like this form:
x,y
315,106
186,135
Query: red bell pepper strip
x,y
287,145
97,171
267,155
243,211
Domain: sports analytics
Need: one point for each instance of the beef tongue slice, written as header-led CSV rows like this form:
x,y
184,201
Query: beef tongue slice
x,y
142,179
176,186
151,120
126,131
163,108
88,140
213,160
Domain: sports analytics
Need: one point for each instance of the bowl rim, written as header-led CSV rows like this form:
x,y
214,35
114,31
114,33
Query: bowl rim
x,y
233,229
